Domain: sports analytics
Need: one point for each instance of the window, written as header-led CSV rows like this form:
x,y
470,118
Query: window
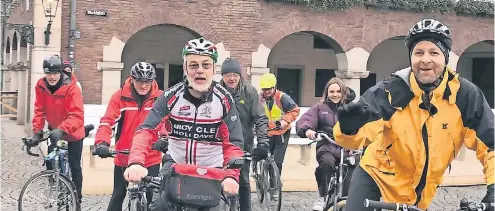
x,y
322,76
366,83
320,43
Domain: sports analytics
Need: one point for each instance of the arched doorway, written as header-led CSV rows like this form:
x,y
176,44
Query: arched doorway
x,y
476,65
387,57
14,49
304,62
161,46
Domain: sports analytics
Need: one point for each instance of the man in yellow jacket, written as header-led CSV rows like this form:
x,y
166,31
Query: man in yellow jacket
x,y
414,123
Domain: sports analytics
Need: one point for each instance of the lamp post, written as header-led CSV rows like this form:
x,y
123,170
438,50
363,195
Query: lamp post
x,y
50,8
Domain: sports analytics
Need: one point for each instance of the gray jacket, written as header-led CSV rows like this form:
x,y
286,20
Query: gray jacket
x,y
251,113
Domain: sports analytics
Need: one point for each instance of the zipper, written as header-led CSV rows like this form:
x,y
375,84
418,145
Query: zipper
x,y
422,181
383,172
191,145
386,149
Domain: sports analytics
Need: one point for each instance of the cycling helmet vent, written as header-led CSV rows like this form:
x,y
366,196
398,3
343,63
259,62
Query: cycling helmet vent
x,y
143,70
201,46
429,28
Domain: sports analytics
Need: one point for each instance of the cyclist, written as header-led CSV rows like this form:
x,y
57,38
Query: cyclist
x,y
198,107
279,107
322,117
250,113
127,109
413,125
59,102
67,68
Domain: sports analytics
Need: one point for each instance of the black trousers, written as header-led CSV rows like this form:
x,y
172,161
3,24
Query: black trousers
x,y
245,188
120,187
362,187
278,149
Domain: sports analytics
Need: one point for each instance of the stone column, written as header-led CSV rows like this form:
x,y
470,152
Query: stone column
x,y
40,50
111,72
352,79
21,94
259,65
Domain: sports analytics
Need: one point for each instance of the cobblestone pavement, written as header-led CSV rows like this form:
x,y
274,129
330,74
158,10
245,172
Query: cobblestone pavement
x,y
17,167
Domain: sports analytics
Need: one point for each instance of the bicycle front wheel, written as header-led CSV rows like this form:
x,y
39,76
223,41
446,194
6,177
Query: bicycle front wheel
x,y
273,184
136,205
46,190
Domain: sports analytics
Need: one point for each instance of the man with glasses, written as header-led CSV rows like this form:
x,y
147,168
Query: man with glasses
x,y
251,113
126,110
280,108
200,119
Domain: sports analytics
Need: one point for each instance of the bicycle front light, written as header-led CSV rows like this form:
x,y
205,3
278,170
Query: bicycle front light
x,y
351,160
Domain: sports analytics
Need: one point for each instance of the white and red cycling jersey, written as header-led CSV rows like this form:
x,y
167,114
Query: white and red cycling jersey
x,y
204,132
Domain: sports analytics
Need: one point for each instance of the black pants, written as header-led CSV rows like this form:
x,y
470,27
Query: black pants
x,y
362,187
120,187
278,149
328,157
74,155
245,188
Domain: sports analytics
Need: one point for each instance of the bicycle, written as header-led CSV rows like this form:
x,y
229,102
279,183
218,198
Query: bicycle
x,y
268,188
465,205
336,199
59,183
137,191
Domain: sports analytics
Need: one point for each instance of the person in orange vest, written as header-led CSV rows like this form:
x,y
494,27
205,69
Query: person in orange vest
x,y
281,111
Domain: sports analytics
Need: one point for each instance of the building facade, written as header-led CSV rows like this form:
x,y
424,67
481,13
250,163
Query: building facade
x,y
304,48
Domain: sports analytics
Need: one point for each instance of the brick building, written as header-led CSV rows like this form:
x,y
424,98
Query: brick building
x,y
302,47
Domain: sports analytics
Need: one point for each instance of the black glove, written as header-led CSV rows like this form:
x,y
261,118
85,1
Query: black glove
x,y
489,197
102,150
56,135
261,150
87,129
352,116
35,140
160,145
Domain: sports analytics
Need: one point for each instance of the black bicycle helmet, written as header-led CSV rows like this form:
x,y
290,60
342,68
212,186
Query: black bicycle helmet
x,y
429,28
143,71
52,64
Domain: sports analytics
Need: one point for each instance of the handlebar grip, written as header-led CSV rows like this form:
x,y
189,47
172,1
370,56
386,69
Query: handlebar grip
x,y
381,205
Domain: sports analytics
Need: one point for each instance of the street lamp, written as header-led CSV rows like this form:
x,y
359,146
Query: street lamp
x,y
50,8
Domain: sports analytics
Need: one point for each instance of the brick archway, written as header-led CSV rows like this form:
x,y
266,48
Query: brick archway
x,y
284,29
156,17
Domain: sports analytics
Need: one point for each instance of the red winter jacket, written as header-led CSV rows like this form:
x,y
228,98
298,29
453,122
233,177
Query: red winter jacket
x,y
124,115
63,109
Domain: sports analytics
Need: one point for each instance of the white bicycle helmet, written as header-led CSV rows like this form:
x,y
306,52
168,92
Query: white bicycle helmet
x,y
200,46
429,28
143,71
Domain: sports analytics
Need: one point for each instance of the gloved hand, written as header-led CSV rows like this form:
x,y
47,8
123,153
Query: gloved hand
x,y
489,197
102,150
261,150
87,129
35,140
161,145
56,135
352,116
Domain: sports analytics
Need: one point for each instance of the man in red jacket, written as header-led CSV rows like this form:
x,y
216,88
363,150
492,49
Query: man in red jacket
x,y
59,102
126,110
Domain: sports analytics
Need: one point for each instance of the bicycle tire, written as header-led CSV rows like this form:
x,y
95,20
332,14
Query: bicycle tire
x,y
340,206
63,180
258,180
135,205
277,185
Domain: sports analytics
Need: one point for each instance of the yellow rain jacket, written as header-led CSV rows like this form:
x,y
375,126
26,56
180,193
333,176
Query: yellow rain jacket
x,y
408,147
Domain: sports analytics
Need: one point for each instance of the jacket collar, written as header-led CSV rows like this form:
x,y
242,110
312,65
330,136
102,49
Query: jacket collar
x,y
402,87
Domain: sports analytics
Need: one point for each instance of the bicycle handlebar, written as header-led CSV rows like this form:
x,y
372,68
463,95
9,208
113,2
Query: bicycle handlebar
x,y
466,205
28,148
320,136
389,206
114,152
